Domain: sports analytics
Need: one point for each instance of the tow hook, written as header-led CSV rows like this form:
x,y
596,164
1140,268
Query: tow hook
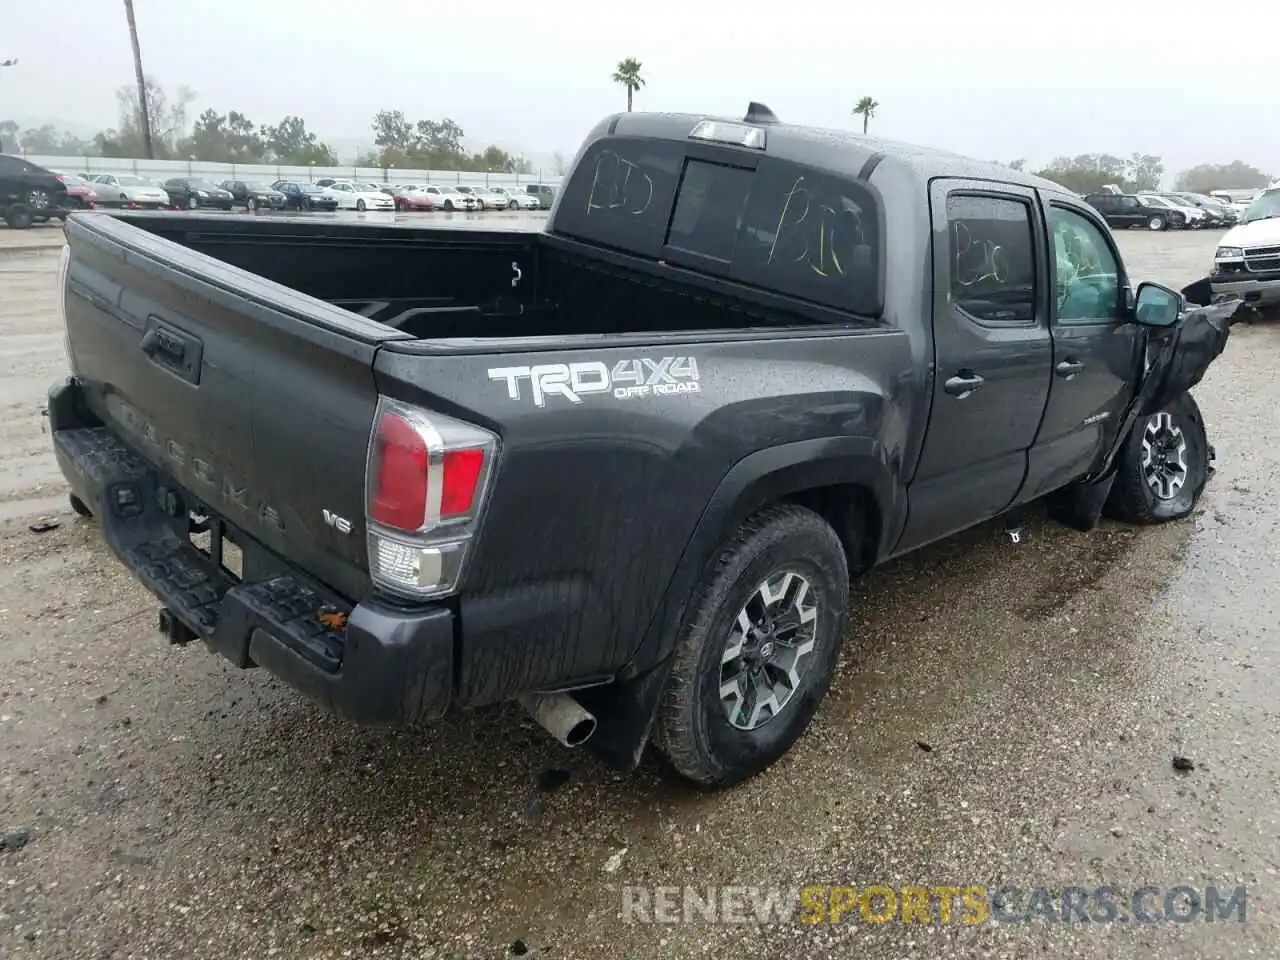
x,y
174,629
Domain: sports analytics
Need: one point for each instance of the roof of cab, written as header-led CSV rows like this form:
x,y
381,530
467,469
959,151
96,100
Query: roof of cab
x,y
840,151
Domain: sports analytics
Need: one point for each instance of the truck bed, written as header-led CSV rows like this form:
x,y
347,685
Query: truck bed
x,y
232,368
441,283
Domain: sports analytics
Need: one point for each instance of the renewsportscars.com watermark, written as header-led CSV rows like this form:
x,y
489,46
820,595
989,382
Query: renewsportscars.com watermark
x,y
941,904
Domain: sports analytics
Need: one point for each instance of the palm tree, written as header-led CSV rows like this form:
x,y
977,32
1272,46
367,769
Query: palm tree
x,y
628,75
144,118
867,109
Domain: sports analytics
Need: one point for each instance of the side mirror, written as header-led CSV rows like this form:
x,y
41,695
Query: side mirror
x,y
1157,306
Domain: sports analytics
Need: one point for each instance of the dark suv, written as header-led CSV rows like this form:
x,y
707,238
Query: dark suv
x,y
29,194
1127,210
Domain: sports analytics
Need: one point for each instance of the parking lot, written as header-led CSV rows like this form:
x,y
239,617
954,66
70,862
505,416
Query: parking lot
x,y
1004,713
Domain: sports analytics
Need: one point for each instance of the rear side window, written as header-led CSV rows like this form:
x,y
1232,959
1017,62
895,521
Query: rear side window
x,y
992,258
780,226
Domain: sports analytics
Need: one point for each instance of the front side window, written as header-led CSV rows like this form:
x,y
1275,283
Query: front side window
x,y
991,258
1087,279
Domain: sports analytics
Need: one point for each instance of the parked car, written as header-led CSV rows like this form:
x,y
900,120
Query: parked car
x,y
678,420
486,197
450,198
305,196
518,199
1247,261
360,197
1196,218
80,193
1127,210
544,193
1238,200
128,190
193,193
1219,213
29,193
253,194
412,197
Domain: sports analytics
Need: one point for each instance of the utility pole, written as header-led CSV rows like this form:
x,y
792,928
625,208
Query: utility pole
x,y
143,114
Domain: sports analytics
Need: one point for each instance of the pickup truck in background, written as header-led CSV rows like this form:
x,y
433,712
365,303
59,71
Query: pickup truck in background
x,y
1247,261
622,468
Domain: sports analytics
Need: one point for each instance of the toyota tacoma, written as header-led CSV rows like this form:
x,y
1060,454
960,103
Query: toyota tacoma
x,y
620,469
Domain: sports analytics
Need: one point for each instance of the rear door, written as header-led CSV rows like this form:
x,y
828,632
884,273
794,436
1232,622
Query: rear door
x,y
991,355
257,401
1096,348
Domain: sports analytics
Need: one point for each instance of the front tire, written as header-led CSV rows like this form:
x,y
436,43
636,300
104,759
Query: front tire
x,y
360,206
757,649
448,206
1163,466
19,217
512,205
79,506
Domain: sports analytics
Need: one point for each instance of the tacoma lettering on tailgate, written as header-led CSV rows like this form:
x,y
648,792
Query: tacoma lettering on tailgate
x,y
627,379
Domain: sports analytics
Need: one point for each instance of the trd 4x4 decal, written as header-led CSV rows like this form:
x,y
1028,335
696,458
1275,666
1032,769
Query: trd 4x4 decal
x,y
627,380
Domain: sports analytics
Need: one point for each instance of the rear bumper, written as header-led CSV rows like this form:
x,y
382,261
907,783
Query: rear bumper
x,y
388,666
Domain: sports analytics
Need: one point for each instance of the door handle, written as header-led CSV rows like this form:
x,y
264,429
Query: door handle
x,y
1068,368
963,384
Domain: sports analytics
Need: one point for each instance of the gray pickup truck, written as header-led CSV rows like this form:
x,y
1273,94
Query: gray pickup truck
x,y
622,468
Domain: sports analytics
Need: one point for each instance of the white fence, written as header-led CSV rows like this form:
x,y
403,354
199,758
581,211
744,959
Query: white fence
x,y
165,169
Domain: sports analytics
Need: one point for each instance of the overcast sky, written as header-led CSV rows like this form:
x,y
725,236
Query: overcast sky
x,y
988,78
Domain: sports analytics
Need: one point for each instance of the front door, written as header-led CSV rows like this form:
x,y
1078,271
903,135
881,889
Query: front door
x,y
1096,349
991,356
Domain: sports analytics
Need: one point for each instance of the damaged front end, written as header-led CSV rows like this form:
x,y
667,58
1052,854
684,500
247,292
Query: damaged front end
x,y
1177,357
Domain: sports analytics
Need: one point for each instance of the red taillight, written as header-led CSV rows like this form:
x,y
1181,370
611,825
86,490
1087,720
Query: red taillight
x,y
427,482
400,461
401,475
458,488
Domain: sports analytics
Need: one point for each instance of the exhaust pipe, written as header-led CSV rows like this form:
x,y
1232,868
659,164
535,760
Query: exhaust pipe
x,y
561,716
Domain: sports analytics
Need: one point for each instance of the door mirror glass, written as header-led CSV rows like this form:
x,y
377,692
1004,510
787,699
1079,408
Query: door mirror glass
x,y
1156,305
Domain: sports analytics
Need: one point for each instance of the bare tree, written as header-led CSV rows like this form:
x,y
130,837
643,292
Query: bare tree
x,y
144,120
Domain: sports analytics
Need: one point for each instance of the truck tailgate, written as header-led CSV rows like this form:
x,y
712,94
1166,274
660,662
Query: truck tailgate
x,y
255,400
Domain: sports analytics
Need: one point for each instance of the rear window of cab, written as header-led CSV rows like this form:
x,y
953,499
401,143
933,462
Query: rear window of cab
x,y
769,223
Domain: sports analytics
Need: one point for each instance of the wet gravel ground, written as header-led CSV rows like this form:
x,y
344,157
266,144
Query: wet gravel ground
x,y
155,802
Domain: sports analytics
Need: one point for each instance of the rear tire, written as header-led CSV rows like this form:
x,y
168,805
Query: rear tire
x,y
791,554
79,506
1156,223
1163,466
